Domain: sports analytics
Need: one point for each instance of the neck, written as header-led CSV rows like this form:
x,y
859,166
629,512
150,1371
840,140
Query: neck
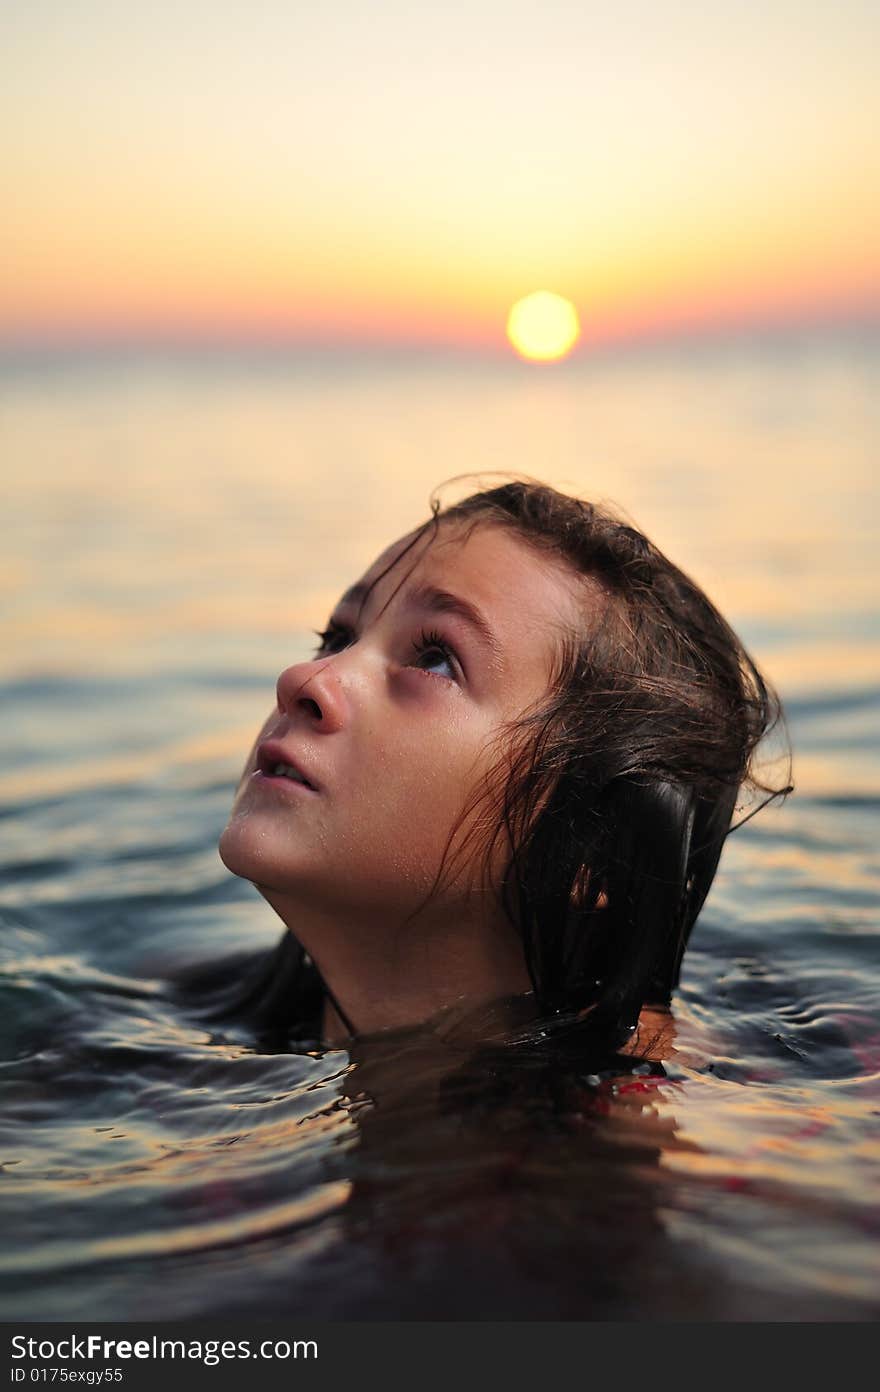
x,y
386,975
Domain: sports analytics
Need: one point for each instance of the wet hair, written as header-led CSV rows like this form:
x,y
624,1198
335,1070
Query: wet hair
x,y
616,792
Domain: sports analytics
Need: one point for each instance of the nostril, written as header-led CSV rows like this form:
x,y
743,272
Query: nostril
x,y
311,706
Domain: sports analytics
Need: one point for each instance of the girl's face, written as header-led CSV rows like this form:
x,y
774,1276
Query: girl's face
x,y
392,722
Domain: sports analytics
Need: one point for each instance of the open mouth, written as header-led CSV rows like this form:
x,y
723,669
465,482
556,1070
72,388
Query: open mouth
x,y
272,767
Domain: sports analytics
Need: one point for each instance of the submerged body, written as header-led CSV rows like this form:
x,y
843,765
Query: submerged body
x,y
158,1169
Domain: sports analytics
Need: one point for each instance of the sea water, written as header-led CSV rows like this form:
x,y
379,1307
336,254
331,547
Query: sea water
x,y
174,527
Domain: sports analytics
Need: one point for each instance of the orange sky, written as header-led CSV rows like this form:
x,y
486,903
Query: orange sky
x,y
406,172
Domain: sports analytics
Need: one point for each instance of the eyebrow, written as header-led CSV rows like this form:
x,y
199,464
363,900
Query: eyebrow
x,y
439,601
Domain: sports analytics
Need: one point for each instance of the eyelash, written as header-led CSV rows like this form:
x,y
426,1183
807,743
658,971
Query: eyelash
x,y
426,642
432,642
326,636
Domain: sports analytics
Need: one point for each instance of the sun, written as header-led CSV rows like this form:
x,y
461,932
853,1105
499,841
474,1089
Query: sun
x,y
543,327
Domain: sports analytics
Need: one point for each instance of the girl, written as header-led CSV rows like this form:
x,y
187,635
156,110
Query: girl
x,y
502,784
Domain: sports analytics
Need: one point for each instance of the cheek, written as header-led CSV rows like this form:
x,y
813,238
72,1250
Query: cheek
x,y
412,785
436,797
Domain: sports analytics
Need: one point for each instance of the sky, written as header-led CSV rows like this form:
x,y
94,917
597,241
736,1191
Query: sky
x,y
402,172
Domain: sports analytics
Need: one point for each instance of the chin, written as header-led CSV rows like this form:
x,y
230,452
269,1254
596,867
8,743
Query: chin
x,y
231,853
244,851
253,855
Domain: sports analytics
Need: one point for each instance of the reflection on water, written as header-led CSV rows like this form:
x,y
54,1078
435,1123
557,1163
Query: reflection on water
x,y
172,534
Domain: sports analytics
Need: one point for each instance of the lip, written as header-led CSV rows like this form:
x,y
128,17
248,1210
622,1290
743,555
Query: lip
x,y
272,752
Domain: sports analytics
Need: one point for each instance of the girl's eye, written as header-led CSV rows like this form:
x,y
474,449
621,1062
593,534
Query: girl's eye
x,y
431,654
332,639
434,656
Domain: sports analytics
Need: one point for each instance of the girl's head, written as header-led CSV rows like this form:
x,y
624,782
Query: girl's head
x,y
523,736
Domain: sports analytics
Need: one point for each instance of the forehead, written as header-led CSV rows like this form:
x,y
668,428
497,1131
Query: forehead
x,y
530,600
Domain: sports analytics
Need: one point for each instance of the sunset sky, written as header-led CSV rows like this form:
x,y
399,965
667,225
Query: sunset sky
x,y
403,172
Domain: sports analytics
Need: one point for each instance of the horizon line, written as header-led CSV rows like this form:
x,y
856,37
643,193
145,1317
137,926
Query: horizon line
x,y
206,341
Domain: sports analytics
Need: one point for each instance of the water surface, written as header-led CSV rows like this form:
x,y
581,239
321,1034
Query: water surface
x,y
173,530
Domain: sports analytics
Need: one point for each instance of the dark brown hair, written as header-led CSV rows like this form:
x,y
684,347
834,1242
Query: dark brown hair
x,y
619,791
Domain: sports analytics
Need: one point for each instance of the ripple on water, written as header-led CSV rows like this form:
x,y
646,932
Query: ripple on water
x,y
153,1167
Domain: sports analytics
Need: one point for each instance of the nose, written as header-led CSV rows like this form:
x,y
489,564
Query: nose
x,y
313,690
